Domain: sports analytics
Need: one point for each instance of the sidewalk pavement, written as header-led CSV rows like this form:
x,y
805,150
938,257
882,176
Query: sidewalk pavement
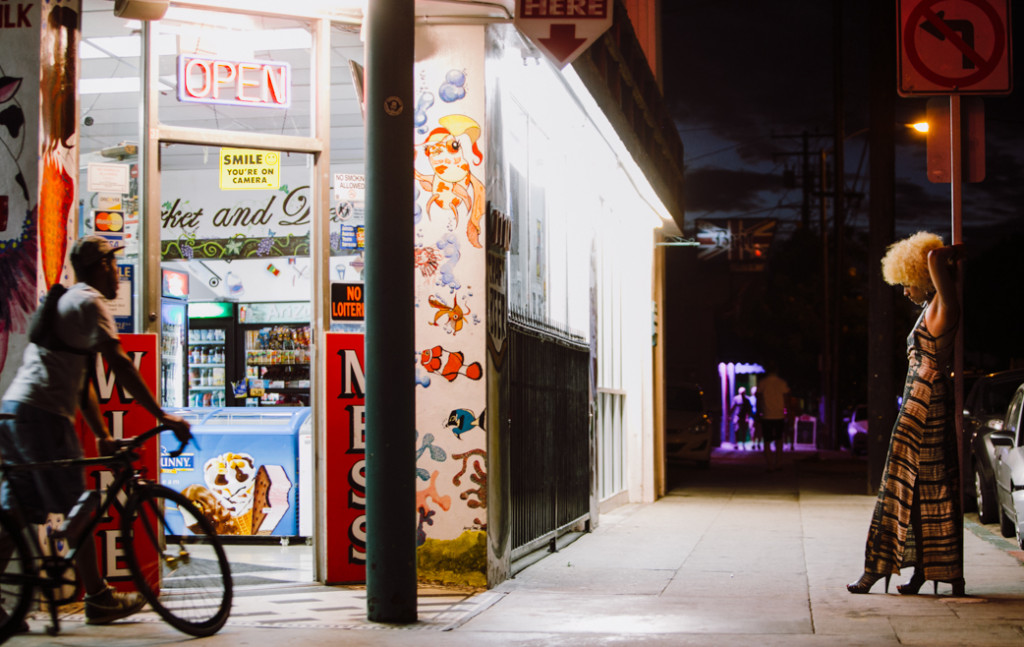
x,y
734,555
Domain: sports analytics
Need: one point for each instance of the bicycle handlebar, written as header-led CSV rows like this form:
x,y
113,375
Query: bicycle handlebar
x,y
137,441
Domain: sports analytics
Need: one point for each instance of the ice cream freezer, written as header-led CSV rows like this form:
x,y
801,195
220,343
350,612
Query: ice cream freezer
x,y
245,474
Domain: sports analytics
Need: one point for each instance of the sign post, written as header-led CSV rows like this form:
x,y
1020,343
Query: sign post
x,y
955,47
563,29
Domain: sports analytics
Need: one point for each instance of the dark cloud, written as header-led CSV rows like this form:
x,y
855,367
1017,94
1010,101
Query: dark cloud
x,y
718,189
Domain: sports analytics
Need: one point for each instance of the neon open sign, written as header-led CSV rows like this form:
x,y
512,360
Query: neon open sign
x,y
237,83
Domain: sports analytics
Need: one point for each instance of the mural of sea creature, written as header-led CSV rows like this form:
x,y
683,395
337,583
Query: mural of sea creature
x,y
478,476
456,316
449,364
463,420
426,259
436,453
452,185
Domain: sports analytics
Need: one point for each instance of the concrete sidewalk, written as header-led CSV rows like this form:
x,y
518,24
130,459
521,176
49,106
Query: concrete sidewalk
x,y
733,556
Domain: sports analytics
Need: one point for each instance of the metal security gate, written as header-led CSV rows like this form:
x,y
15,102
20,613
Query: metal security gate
x,y
549,434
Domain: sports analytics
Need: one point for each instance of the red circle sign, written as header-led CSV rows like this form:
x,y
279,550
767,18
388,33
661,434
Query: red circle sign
x,y
922,17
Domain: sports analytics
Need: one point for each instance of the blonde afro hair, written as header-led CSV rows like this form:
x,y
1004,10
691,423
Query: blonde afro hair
x,y
906,261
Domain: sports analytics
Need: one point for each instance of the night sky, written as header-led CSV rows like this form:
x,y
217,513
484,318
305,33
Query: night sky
x,y
743,78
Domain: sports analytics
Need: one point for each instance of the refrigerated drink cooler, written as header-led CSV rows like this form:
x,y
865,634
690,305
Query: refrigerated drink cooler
x,y
212,360
246,473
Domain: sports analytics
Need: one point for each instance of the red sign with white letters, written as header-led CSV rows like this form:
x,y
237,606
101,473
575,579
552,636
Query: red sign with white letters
x,y
345,446
240,83
125,418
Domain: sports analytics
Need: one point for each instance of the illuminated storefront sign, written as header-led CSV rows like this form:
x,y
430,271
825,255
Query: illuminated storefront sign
x,y
239,83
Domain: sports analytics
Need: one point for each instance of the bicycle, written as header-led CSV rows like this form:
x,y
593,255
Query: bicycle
x,y
185,578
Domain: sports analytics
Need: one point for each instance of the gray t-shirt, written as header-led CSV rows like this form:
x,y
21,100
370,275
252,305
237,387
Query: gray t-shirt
x,y
53,379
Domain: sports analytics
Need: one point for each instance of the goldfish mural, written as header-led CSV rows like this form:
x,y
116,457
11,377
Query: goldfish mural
x,y
450,270
452,185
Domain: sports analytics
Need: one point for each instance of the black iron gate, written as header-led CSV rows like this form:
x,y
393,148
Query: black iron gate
x,y
549,439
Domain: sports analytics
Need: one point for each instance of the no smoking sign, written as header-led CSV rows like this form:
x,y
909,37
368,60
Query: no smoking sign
x,y
954,47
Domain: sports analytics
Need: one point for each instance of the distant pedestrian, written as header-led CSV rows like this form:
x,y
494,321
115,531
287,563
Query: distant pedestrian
x,y
772,392
755,423
741,415
917,520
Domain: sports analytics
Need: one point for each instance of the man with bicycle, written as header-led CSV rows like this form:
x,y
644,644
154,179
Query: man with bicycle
x,y
40,405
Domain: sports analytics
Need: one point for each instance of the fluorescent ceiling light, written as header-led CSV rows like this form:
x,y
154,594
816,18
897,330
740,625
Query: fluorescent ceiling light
x,y
109,85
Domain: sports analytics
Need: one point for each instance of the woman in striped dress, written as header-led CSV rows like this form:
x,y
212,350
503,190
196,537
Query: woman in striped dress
x,y
917,520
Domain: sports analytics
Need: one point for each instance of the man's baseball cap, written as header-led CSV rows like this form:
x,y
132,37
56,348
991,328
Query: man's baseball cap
x,y
88,251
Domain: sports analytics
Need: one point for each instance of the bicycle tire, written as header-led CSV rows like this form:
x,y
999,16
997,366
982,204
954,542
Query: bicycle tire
x,y
17,580
191,592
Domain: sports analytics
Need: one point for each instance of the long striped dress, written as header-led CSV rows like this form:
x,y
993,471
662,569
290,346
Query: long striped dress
x,y
917,519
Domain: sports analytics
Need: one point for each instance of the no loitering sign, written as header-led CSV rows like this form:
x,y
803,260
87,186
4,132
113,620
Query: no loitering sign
x,y
246,168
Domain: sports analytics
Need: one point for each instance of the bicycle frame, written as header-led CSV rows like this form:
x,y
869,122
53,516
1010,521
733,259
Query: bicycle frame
x,y
48,572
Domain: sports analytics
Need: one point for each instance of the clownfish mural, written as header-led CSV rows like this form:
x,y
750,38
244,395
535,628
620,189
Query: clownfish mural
x,y
452,185
449,364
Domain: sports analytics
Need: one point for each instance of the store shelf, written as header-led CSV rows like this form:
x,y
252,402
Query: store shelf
x,y
219,387
220,365
207,342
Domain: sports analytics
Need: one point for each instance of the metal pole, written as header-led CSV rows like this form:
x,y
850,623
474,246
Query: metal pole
x,y
390,340
956,199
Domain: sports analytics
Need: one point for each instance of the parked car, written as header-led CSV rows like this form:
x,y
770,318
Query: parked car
x,y
1009,465
984,410
687,425
857,429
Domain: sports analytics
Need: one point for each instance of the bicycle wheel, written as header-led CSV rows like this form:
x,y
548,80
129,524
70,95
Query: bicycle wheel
x,y
16,581
186,579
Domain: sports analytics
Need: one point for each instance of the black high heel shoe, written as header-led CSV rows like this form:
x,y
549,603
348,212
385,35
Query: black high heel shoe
x,y
912,586
866,581
959,588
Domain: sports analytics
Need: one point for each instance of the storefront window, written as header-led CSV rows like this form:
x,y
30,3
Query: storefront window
x,y
235,230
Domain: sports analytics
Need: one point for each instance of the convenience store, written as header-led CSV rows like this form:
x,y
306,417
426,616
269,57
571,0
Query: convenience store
x,y
244,130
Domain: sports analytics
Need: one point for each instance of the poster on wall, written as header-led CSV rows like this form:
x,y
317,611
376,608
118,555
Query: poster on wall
x,y
345,445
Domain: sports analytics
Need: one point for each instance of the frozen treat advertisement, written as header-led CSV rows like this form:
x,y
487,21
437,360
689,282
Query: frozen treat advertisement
x,y
243,483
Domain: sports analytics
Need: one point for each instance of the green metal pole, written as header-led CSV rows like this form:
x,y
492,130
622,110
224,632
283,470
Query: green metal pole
x,y
390,341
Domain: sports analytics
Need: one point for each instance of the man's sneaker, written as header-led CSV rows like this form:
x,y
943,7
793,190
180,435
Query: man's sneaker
x,y
22,628
110,605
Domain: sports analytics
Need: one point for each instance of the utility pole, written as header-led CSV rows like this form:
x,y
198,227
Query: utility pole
x,y
881,298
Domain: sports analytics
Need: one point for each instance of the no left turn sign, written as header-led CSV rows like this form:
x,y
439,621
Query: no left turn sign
x,y
954,47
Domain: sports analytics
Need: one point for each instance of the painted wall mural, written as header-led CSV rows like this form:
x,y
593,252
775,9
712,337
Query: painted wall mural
x,y
451,466
38,140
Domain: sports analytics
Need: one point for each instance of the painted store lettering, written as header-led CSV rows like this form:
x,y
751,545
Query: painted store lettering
x,y
14,16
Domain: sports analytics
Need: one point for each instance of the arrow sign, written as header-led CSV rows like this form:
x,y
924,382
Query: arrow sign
x,y
954,47
563,29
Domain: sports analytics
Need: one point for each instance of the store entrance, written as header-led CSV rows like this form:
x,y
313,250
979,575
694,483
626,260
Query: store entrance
x,y
236,314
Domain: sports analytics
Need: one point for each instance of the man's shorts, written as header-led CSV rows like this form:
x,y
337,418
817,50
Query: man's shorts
x,y
772,430
39,435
